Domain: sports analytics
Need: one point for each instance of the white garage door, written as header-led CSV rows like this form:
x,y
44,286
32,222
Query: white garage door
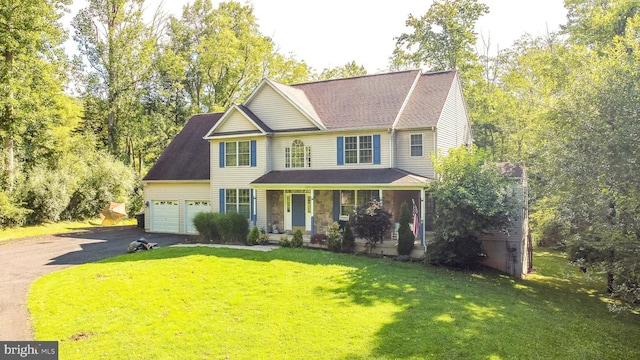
x,y
165,216
191,209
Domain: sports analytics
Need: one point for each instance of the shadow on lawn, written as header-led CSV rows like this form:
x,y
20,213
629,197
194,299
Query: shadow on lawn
x,y
454,315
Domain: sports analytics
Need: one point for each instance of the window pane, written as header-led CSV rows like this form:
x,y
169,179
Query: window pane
x,y
297,154
287,158
308,150
244,153
365,196
351,149
347,202
244,202
231,201
416,145
231,154
366,146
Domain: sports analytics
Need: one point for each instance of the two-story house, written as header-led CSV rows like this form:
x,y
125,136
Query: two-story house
x,y
302,156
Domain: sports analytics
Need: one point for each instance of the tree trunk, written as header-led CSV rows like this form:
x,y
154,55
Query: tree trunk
x,y
9,121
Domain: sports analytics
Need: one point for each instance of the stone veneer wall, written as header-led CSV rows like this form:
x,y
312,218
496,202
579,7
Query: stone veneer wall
x,y
323,208
275,208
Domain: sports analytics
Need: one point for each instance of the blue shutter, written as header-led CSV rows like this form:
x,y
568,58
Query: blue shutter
x,y
340,150
376,149
222,154
253,153
336,205
222,202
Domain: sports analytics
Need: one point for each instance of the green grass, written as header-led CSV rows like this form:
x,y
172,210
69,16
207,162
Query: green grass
x,y
54,228
213,303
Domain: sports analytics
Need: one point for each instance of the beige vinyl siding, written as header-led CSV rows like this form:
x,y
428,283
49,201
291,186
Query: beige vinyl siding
x,y
453,126
420,165
180,191
232,177
324,154
276,112
235,122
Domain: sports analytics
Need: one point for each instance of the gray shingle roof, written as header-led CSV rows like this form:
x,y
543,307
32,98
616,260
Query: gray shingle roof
x,y
343,177
187,156
427,100
360,102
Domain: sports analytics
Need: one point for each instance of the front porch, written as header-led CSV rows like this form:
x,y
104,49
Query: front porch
x,y
387,248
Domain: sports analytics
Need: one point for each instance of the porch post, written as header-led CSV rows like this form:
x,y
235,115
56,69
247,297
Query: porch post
x,y
422,219
313,222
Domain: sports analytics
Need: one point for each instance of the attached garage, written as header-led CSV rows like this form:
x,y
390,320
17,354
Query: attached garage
x,y
165,216
192,207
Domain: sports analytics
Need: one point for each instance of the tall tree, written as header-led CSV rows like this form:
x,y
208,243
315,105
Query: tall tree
x,y
442,39
119,46
350,69
224,54
30,39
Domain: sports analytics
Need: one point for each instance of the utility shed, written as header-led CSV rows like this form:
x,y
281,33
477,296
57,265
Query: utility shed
x,y
512,252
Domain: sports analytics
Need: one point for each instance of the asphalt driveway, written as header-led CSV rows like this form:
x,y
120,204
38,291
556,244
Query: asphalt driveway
x,y
25,260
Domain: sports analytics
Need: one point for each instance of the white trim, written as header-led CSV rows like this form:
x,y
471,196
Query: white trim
x,y
224,118
411,145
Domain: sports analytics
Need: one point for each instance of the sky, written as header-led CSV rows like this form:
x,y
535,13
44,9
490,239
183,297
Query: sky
x,y
331,33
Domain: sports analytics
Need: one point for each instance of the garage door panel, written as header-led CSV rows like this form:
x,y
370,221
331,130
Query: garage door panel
x,y
165,216
192,208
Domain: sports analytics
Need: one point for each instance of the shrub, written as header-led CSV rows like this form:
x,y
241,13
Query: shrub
x,y
319,239
297,241
233,228
284,242
254,236
105,180
205,223
406,237
463,253
348,240
263,239
11,215
334,239
370,222
47,192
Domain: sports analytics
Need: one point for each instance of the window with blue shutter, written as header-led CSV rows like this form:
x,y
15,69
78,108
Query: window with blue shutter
x,y
376,149
222,202
253,153
340,150
222,154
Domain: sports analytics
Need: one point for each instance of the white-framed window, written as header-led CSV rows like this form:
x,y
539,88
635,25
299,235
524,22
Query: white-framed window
x,y
237,153
350,199
298,155
416,144
238,201
358,149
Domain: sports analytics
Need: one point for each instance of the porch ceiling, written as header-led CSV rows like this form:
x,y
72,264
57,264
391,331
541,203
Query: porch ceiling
x,y
378,178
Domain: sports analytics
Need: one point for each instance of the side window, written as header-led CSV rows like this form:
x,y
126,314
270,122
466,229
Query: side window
x,y
416,144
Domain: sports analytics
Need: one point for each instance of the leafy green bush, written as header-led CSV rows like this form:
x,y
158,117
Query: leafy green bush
x,y
47,193
254,236
463,253
233,228
334,239
406,237
11,215
205,223
348,240
297,241
284,241
105,180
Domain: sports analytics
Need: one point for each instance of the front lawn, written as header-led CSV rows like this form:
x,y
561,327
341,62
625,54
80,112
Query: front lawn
x,y
215,303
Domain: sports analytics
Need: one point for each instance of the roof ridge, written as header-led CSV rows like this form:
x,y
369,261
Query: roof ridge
x,y
354,77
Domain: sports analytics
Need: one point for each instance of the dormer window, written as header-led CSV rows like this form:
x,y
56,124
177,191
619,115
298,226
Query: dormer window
x,y
298,155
